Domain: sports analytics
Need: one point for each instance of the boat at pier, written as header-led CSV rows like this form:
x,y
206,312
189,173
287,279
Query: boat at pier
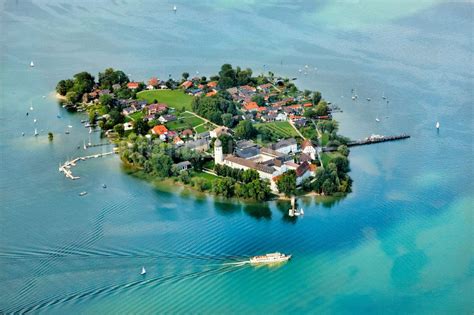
x,y
293,211
270,258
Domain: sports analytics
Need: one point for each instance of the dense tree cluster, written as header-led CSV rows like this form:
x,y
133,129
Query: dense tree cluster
x,y
156,157
215,108
286,183
334,178
110,77
245,130
73,89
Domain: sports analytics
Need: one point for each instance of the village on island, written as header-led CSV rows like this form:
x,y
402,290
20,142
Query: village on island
x,y
232,134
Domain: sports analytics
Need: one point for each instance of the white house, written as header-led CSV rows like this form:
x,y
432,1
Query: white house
x,y
308,148
127,126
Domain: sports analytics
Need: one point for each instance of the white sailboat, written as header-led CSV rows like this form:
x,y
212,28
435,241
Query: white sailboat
x,y
90,129
437,125
85,148
36,132
143,271
32,64
34,120
31,106
175,8
383,95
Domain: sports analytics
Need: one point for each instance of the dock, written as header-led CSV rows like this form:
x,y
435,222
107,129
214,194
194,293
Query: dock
x,y
97,145
66,167
370,140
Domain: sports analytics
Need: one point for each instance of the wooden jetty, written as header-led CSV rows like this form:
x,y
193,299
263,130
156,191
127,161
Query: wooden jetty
x,y
66,167
370,140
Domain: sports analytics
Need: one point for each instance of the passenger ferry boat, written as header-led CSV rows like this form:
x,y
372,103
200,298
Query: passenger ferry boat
x,y
270,258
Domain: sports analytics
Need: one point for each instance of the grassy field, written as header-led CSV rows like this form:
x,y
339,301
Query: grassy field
x,y
203,128
326,157
184,122
206,176
324,139
173,98
282,129
136,115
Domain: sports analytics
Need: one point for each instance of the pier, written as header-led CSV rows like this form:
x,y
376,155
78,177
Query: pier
x,y
66,167
97,145
370,140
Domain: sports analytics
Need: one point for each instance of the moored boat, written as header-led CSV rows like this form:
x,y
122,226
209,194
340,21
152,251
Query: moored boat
x,y
270,258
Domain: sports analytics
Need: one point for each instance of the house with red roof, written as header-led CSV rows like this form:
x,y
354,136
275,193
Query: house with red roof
x,y
250,106
153,83
212,93
187,84
308,148
159,130
212,84
132,85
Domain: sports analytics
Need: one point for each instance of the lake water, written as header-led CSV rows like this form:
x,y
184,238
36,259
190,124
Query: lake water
x,y
402,242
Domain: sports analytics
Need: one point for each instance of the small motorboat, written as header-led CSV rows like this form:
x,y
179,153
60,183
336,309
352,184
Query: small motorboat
x,y
22,134
34,120
83,193
66,132
377,120
143,271
69,126
368,99
104,186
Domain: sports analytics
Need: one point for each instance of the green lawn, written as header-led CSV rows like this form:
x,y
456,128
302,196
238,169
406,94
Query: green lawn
x,y
324,139
282,129
203,128
206,176
326,157
173,98
136,115
184,122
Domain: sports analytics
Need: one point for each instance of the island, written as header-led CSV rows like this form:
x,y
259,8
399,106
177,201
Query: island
x,y
232,134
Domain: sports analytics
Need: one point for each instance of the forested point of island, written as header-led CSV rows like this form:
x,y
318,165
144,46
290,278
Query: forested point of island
x,y
232,134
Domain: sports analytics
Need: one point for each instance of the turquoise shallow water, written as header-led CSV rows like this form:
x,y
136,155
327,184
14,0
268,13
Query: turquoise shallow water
x,y
402,242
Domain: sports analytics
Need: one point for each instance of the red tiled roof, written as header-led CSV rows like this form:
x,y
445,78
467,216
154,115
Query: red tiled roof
x,y
212,93
251,106
302,168
187,84
306,143
307,104
132,85
212,84
153,81
159,130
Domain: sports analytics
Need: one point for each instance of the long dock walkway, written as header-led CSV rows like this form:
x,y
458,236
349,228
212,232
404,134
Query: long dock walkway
x,y
370,140
66,167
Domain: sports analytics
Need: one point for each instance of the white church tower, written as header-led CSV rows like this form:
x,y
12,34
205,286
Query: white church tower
x,y
218,155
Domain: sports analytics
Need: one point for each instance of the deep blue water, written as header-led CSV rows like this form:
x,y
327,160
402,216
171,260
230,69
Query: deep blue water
x,y
402,242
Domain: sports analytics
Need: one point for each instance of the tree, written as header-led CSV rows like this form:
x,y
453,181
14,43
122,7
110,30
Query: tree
x,y
322,109
328,126
110,77
224,186
185,76
310,113
343,149
245,130
342,165
249,175
64,86
227,76
287,183
227,120
141,127
83,83
106,100
316,97
72,97
227,143
119,130
259,99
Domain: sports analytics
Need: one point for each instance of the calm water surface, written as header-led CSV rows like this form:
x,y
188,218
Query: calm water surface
x,y
402,242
